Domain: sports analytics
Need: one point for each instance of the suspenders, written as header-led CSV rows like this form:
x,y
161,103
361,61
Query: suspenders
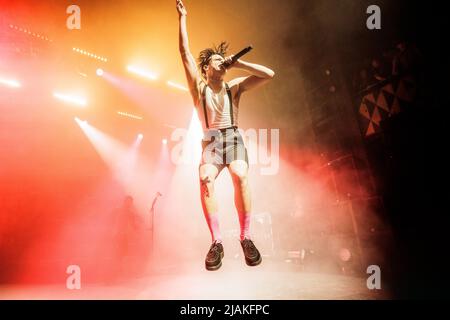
x,y
230,98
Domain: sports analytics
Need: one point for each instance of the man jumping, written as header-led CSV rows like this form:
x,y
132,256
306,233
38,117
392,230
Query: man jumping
x,y
217,103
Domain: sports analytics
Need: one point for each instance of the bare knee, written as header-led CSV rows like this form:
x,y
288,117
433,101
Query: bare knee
x,y
240,176
207,175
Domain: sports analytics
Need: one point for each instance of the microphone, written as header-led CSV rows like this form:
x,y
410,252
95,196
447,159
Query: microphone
x,y
237,56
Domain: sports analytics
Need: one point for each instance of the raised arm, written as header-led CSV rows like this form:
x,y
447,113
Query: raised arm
x,y
259,75
189,64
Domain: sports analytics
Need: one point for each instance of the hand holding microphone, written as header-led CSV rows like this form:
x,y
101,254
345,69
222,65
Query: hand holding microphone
x,y
229,61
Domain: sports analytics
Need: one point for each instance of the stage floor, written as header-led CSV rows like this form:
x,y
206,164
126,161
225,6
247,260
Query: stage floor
x,y
269,281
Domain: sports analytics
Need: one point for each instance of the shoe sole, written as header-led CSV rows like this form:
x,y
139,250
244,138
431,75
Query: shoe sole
x,y
217,267
254,263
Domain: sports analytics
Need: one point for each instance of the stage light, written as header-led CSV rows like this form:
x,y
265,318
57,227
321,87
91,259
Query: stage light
x,y
176,85
345,255
10,83
140,136
129,115
164,141
89,54
70,99
99,72
141,72
34,34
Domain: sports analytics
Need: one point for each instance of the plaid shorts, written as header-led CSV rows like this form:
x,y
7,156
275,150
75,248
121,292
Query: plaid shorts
x,y
222,146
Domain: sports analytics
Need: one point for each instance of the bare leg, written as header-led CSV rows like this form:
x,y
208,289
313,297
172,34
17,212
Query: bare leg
x,y
242,197
208,174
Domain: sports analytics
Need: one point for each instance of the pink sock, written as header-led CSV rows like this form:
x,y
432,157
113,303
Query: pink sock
x,y
244,221
213,224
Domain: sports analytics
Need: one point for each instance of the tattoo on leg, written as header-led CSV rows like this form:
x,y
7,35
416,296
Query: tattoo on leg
x,y
204,183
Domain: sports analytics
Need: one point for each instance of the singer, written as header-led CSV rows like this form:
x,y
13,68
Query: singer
x,y
217,103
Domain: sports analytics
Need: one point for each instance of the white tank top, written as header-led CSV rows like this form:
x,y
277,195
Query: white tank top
x,y
217,109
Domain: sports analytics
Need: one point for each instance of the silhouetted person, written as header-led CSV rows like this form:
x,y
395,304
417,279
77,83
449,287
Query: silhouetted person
x,y
379,70
127,225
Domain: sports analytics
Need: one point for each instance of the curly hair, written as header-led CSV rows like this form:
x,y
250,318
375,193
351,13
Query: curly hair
x,y
205,55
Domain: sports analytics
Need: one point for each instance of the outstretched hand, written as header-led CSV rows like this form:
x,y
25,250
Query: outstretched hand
x,y
180,8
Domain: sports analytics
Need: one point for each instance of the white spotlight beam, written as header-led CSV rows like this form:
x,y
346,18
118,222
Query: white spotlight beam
x,y
10,83
142,73
176,85
70,99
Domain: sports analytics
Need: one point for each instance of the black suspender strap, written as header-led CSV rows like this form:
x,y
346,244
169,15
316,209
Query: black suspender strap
x,y
231,103
204,106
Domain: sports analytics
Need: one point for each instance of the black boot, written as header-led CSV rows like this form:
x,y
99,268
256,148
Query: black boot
x,y
214,257
252,255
